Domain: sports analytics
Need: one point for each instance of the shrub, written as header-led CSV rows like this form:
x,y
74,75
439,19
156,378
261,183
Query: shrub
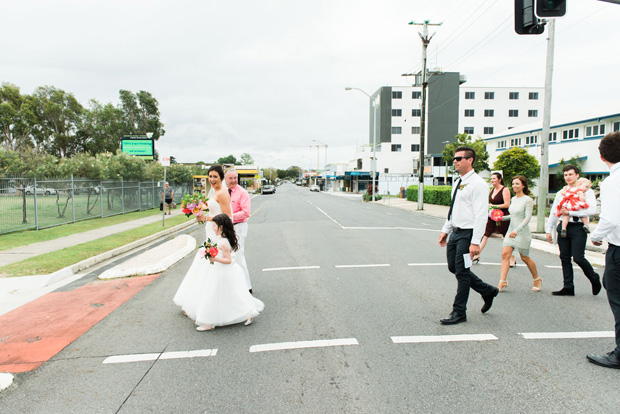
x,y
433,194
368,197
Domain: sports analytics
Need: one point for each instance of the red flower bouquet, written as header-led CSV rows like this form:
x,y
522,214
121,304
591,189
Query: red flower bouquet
x,y
496,215
209,249
195,205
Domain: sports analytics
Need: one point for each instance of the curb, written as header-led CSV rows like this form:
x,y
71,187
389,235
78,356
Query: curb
x,y
91,261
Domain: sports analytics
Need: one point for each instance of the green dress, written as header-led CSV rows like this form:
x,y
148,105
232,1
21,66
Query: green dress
x,y
520,215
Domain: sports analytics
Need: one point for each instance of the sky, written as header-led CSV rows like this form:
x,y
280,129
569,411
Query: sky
x,y
268,77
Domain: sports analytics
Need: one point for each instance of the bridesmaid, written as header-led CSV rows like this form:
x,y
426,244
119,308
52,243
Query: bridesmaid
x,y
499,197
519,236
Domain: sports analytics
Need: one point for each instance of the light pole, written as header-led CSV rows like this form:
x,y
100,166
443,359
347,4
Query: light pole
x,y
375,103
445,181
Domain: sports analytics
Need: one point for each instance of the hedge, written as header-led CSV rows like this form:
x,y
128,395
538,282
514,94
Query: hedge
x,y
433,194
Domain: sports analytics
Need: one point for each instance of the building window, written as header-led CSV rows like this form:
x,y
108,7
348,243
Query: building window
x,y
553,136
416,112
415,147
470,95
513,113
513,95
415,130
531,140
570,133
468,130
397,95
416,95
501,144
595,130
396,148
532,113
489,113
397,130
515,142
616,126
489,95
488,130
469,112
533,96
397,112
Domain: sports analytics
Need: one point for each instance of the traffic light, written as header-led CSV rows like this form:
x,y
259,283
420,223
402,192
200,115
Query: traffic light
x,y
526,22
550,8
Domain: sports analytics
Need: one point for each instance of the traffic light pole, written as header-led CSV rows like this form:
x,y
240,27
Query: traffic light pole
x,y
543,182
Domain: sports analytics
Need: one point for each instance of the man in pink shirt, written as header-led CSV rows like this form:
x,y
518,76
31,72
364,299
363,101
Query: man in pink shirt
x,y
241,208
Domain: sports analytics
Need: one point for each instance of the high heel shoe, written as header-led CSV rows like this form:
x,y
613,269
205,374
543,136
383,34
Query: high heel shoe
x,y
204,328
248,322
502,285
537,288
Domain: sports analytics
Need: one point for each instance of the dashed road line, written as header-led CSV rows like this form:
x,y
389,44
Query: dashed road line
x,y
121,359
568,335
443,338
321,343
274,269
374,228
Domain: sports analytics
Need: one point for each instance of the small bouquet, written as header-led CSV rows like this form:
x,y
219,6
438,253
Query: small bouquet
x,y
195,205
496,215
209,249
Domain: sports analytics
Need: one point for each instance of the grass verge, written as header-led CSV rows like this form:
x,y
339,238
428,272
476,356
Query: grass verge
x,y
53,261
23,238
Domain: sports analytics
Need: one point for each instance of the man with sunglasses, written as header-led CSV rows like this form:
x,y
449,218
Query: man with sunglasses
x,y
467,219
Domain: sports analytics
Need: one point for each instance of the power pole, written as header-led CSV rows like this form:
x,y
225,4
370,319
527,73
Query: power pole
x,y
543,182
425,41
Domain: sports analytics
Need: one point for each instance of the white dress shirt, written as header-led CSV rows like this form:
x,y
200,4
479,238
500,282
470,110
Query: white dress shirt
x,y
471,205
584,212
609,223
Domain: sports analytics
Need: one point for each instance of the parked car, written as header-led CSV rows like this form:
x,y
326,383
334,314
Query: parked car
x,y
268,189
40,190
315,188
298,182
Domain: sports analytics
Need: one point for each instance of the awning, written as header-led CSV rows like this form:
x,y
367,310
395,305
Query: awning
x,y
248,172
566,161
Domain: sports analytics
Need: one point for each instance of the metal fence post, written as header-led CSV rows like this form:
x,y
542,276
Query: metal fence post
x,y
101,196
123,194
36,213
73,197
139,196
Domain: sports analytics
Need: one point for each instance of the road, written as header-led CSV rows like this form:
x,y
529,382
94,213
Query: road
x,y
353,295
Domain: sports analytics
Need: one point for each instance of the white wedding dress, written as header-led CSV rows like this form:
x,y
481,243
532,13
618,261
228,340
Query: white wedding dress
x,y
187,289
222,296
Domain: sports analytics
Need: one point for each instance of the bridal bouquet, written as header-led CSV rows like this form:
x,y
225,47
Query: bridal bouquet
x,y
195,205
209,249
496,215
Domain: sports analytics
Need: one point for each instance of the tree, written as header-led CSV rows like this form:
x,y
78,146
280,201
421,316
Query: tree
x,y
141,113
293,172
16,118
559,175
270,173
173,160
227,160
482,156
246,159
102,128
517,161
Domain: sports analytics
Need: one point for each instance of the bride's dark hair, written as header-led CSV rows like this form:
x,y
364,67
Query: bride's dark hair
x,y
228,229
218,169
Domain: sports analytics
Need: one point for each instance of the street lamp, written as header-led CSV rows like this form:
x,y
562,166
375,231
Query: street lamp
x,y
445,181
375,104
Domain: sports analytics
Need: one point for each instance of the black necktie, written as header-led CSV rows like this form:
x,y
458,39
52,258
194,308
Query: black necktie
x,y
229,191
458,183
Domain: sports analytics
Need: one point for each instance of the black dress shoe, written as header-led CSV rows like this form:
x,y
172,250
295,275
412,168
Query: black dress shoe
x,y
596,286
564,292
488,300
250,291
453,319
609,360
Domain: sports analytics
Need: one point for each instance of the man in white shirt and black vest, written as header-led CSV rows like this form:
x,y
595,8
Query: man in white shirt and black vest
x,y
609,228
467,219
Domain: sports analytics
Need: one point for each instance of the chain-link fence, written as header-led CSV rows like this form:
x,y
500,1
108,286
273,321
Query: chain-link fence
x,y
27,203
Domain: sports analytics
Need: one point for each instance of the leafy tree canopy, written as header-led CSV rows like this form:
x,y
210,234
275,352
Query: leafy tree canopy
x,y
482,156
517,161
227,160
246,159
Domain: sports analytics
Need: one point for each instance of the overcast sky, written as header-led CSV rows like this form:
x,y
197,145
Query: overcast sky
x,y
268,77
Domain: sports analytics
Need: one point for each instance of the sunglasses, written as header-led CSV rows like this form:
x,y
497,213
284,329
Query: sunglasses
x,y
459,158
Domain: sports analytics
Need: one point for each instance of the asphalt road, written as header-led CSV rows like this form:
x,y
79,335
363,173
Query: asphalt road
x,y
357,291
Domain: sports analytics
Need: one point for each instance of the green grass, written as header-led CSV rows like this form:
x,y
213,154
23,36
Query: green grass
x,y
51,262
22,238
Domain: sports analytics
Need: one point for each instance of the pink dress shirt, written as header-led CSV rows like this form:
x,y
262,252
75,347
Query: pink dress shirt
x,y
241,204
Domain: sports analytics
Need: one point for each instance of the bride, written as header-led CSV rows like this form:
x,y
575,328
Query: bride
x,y
218,203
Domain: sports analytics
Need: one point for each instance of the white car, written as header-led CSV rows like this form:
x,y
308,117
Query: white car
x,y
315,188
40,190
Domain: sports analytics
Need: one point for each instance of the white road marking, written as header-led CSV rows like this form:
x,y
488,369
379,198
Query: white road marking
x,y
327,215
559,267
304,344
272,269
443,338
374,228
363,265
568,335
427,264
121,359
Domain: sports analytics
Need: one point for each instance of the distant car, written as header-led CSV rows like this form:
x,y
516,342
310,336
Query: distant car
x,y
268,189
315,188
298,182
40,190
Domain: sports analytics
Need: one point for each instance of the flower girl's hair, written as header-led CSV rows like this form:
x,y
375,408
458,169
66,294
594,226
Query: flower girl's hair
x,y
228,229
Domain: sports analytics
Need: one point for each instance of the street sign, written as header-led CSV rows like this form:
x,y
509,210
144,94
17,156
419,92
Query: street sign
x,y
165,161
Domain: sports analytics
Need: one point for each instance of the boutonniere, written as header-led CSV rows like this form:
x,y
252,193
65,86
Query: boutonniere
x,y
462,186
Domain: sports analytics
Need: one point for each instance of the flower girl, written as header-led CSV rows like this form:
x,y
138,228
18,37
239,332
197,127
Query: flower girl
x,y
223,297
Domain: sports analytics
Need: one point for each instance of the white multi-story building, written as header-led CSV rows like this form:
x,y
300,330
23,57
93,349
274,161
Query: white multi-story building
x,y
569,137
451,109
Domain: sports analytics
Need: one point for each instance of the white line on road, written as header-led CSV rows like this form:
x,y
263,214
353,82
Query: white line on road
x,y
120,359
427,264
374,228
559,267
363,265
568,335
442,338
303,344
273,269
327,215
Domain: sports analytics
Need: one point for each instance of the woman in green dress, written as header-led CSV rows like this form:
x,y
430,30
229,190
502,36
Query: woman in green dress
x,y
518,235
